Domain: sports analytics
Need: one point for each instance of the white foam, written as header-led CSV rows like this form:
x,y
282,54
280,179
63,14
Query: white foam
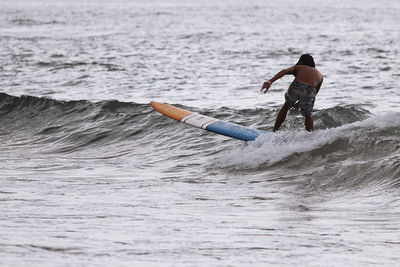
x,y
271,148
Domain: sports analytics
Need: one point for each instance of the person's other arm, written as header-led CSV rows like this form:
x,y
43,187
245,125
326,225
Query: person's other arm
x,y
277,76
318,86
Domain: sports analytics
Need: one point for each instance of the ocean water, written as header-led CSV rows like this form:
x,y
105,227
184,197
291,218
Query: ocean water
x,y
90,175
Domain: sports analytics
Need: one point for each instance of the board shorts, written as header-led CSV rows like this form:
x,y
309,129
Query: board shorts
x,y
303,93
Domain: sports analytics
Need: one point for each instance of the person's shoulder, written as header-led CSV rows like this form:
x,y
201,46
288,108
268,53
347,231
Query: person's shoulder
x,y
302,67
290,70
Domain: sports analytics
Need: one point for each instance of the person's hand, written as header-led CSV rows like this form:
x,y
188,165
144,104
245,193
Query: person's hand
x,y
266,86
295,107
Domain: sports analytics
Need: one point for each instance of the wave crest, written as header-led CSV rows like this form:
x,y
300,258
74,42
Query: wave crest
x,y
360,150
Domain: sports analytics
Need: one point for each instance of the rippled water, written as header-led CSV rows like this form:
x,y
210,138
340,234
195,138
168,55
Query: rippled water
x,y
91,175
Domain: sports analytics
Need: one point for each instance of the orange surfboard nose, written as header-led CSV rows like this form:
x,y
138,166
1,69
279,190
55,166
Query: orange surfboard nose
x,y
170,111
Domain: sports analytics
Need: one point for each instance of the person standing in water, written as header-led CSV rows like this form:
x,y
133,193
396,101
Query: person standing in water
x,y
301,92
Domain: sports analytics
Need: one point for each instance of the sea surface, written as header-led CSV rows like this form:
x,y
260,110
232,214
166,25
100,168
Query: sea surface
x,y
91,175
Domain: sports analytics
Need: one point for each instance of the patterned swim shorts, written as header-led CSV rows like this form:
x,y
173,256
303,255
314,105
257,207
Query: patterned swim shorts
x,y
303,93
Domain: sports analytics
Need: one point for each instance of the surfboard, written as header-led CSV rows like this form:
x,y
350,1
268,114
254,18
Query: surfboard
x,y
207,123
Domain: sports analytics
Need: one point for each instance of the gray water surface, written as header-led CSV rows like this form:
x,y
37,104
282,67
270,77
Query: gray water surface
x,y
90,175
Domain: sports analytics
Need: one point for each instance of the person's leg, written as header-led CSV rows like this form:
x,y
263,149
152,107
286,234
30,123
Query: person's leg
x,y
281,117
309,123
306,106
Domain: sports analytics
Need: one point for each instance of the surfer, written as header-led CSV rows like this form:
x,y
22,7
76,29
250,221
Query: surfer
x,y
301,92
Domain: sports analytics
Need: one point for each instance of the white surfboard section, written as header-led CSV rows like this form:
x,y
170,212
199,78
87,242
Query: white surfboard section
x,y
198,120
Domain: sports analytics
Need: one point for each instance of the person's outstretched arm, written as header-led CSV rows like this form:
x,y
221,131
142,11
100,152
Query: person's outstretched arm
x,y
277,76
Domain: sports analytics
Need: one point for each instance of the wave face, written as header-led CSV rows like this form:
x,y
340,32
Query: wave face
x,y
357,153
350,146
68,126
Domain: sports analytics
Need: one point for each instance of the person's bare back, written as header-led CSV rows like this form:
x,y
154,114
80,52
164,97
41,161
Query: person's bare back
x,y
307,75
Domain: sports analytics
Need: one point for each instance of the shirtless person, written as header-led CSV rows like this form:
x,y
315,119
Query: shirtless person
x,y
301,92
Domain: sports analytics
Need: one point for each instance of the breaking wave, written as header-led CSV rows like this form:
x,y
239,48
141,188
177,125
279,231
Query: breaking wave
x,y
349,144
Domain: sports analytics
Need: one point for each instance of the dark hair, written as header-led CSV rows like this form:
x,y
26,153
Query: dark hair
x,y
306,59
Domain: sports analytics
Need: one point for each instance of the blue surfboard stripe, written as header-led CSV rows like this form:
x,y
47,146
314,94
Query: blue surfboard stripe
x,y
234,130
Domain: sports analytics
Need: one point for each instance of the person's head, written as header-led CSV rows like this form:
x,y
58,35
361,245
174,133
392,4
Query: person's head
x,y
306,59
